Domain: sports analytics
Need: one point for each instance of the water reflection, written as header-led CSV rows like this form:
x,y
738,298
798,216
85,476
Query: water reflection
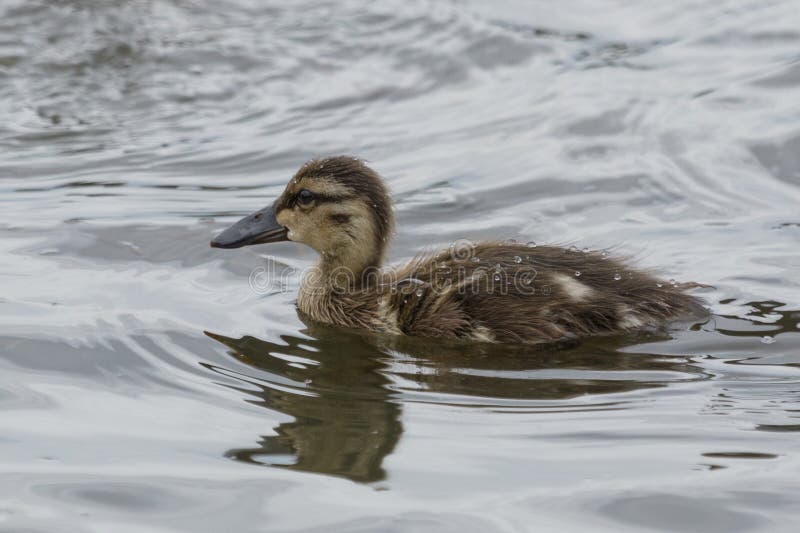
x,y
345,421
345,391
765,317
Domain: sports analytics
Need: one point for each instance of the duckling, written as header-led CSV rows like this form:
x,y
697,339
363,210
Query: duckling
x,y
486,291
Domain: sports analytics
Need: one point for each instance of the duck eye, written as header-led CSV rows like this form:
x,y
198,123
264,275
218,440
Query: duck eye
x,y
305,197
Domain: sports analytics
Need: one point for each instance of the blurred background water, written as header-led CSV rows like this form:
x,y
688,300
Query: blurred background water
x,y
132,131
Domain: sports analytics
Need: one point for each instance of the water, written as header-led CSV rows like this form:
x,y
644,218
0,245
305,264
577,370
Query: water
x,y
133,131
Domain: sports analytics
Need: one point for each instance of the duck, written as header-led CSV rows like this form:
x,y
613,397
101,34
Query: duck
x,y
482,291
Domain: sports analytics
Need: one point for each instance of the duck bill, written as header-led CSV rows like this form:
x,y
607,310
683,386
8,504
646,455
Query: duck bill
x,y
257,228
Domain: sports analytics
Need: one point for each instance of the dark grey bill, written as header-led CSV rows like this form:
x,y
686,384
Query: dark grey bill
x,y
257,228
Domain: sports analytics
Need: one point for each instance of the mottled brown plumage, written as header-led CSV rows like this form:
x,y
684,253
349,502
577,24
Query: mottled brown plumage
x,y
485,291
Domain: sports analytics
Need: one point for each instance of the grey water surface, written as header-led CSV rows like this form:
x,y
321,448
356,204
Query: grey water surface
x,y
132,131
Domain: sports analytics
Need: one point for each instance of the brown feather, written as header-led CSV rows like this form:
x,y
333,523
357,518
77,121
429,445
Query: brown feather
x,y
487,291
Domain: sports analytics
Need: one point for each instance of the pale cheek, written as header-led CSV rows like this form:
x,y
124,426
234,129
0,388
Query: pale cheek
x,y
298,232
285,220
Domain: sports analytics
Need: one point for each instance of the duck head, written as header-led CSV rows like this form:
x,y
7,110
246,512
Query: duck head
x,y
338,206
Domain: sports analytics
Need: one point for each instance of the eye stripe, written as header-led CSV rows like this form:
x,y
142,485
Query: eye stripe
x,y
322,198
334,197
340,218
291,201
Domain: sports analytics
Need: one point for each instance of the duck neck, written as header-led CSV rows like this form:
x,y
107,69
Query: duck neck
x,y
340,272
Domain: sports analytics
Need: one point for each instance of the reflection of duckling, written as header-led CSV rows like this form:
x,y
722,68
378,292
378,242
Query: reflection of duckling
x,y
345,400
343,420
487,291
